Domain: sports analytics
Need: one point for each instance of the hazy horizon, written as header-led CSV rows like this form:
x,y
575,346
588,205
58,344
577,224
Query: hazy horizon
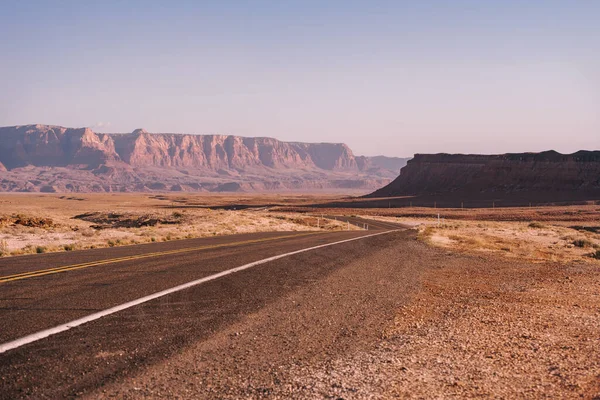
x,y
386,78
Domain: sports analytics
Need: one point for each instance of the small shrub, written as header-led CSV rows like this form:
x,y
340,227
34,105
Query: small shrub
x,y
88,232
69,247
153,239
40,249
582,243
426,233
177,214
596,255
537,225
4,246
111,243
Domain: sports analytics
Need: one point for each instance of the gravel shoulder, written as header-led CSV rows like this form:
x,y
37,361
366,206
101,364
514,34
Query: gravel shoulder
x,y
482,327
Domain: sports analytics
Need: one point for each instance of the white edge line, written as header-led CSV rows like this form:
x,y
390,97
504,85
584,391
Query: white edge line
x,y
92,317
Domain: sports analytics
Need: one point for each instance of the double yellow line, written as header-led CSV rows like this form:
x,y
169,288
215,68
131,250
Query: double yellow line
x,y
65,268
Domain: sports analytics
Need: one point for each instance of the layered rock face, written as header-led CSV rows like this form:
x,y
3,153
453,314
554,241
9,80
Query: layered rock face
x,y
41,145
536,176
67,159
141,148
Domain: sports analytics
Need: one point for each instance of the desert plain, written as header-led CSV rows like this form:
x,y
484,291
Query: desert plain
x,y
506,304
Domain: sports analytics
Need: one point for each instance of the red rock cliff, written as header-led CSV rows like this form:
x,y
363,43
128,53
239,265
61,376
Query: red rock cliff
x,y
145,161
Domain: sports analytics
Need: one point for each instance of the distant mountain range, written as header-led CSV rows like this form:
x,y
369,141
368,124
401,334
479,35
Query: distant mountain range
x,y
43,158
505,179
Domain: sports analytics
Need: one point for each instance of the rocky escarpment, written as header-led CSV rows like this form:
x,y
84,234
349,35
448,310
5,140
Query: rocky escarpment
x,y
40,145
548,175
215,152
66,159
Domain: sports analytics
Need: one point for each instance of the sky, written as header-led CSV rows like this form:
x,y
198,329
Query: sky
x,y
385,77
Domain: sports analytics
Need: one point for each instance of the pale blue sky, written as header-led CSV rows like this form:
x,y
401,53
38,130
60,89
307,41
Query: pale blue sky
x,y
385,77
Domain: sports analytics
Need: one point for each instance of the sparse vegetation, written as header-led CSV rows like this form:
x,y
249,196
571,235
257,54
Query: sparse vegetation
x,y
510,239
3,248
40,249
130,212
583,243
537,225
88,232
69,247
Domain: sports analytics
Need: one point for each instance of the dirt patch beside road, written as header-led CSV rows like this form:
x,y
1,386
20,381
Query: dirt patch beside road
x,y
487,328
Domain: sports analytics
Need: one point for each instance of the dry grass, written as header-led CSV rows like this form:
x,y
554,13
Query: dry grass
x,y
533,241
581,214
543,233
33,223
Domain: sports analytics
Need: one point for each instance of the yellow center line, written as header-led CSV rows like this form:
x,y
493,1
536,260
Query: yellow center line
x,y
48,271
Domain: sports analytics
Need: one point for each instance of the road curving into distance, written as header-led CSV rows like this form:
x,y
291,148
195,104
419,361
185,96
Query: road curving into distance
x,y
40,293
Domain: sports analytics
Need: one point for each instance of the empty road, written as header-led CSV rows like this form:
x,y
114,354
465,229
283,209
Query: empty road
x,y
46,291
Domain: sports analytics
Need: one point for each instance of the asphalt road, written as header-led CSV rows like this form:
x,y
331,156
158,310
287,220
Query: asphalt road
x,y
367,224
42,291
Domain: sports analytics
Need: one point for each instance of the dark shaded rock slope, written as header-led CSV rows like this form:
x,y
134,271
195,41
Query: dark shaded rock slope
x,y
524,177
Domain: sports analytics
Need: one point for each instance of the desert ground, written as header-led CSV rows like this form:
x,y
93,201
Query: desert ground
x,y
508,304
40,223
